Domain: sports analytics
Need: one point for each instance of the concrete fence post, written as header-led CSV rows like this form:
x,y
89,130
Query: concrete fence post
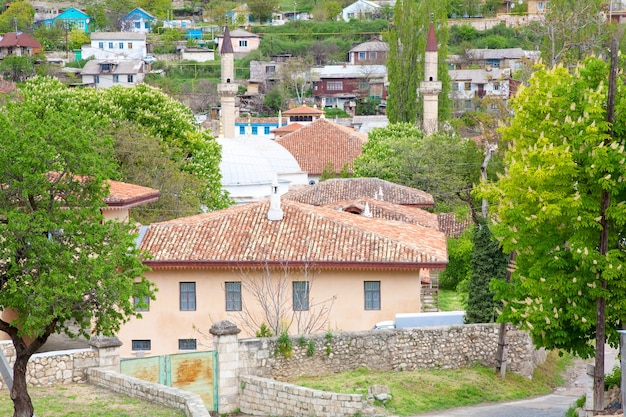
x,y
226,345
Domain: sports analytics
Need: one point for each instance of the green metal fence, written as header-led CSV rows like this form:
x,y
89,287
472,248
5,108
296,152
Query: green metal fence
x,y
195,372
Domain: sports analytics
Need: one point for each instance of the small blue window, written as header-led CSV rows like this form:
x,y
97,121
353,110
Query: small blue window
x,y
255,130
266,130
242,130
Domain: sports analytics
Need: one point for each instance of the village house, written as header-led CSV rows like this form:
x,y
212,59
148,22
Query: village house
x,y
341,85
467,85
242,41
512,58
19,44
372,52
138,20
105,73
115,45
357,268
69,19
324,147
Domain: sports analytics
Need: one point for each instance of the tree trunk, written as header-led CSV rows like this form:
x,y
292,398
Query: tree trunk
x,y
22,404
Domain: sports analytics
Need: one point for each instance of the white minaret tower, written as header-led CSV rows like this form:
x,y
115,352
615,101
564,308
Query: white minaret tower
x,y
430,87
227,88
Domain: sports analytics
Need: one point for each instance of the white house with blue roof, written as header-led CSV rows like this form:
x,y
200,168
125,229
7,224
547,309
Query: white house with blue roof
x,y
70,19
138,20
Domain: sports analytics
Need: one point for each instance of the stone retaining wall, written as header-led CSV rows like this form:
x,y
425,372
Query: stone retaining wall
x,y
267,397
400,349
60,367
191,404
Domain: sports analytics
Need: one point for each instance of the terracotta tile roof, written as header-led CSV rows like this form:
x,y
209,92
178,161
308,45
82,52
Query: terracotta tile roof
x,y
303,110
389,211
241,236
19,39
122,194
292,127
341,189
452,225
322,142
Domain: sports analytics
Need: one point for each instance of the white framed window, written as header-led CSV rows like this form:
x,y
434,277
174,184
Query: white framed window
x,y
130,78
145,344
116,78
130,45
101,45
187,296
243,43
233,296
372,295
110,45
496,85
334,85
362,56
121,45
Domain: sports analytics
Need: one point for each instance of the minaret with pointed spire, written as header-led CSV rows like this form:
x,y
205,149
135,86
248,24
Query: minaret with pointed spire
x,y
227,88
430,87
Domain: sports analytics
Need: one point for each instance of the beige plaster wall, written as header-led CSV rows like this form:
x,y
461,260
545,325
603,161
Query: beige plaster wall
x,y
164,324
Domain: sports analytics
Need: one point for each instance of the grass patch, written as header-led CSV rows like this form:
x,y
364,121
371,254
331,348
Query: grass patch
x,y
422,391
450,300
85,400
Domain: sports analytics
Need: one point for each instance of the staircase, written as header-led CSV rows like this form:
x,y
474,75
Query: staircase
x,y
430,294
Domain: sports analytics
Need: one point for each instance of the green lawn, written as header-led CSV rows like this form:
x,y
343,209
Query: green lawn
x,y
422,391
85,400
450,300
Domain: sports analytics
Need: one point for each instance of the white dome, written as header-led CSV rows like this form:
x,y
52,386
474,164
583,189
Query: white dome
x,y
243,165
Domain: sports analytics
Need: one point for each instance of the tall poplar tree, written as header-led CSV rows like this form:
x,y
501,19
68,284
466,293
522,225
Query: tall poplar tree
x,y
405,63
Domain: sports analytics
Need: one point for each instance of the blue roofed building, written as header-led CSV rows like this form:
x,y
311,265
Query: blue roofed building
x,y
138,20
70,18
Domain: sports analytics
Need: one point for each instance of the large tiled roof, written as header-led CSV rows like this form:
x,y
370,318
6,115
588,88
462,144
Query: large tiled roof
x,y
122,194
451,224
241,236
323,142
340,189
19,39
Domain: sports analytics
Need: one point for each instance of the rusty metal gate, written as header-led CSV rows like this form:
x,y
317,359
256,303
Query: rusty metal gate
x,y
195,372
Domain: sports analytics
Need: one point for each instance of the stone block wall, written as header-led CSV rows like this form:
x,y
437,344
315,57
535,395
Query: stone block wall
x,y
191,404
61,367
399,349
267,397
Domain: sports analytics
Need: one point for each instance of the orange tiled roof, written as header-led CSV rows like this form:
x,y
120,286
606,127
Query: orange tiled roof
x,y
303,110
19,39
241,236
122,194
322,142
451,225
389,211
340,189
291,127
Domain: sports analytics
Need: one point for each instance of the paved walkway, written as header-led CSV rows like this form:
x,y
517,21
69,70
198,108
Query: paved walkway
x,y
553,405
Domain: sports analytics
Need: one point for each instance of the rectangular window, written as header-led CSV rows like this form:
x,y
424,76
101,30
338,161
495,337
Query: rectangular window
x,y
540,5
373,55
372,295
81,25
242,130
116,78
468,86
270,69
105,67
243,44
121,45
300,296
96,79
137,25
363,85
187,344
101,45
110,45
145,305
146,25
255,130
187,296
362,56
233,296
130,78
141,344
130,45
496,85
266,130
334,85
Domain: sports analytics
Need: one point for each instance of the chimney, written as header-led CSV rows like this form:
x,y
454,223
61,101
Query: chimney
x,y
275,213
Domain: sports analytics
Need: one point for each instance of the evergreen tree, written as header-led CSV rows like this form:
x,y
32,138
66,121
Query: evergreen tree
x,y
488,262
405,64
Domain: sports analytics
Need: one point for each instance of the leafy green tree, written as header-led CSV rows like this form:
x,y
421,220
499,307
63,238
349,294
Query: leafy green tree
x,y
51,38
274,100
63,264
459,261
158,8
328,172
76,38
405,63
261,10
332,9
18,17
565,157
17,68
98,17
444,165
487,263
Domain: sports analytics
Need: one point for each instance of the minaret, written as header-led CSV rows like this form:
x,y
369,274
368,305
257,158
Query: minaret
x,y
227,88
430,87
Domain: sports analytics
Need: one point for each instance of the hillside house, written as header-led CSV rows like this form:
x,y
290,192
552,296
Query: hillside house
x,y
265,74
322,145
138,20
372,52
115,45
479,83
303,114
512,58
243,42
19,44
341,85
359,268
197,54
105,73
70,18
360,9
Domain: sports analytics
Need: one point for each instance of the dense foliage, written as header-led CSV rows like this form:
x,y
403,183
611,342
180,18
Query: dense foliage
x,y
548,207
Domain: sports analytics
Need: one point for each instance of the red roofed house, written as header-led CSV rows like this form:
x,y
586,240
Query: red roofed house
x,y
362,268
19,44
323,144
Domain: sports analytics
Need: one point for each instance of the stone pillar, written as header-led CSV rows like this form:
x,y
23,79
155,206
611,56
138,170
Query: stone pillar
x,y
226,345
108,351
